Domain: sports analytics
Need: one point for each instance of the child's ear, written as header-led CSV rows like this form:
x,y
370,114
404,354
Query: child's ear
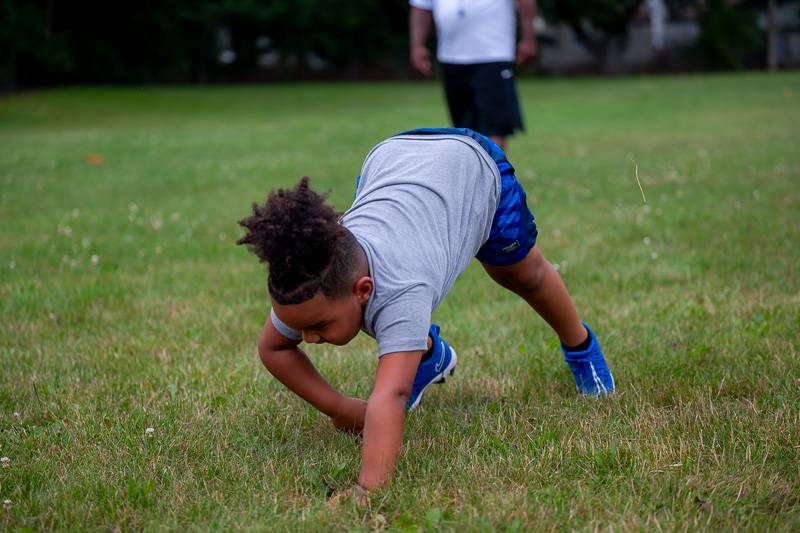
x,y
362,288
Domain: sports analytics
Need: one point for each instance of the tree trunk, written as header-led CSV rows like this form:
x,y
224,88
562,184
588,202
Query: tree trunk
x,y
772,37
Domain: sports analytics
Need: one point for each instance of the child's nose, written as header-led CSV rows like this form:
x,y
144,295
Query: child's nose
x,y
311,338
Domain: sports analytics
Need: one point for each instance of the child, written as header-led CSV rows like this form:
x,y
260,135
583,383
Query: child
x,y
426,202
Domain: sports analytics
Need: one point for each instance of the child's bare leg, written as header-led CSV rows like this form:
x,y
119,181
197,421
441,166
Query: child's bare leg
x,y
538,283
499,141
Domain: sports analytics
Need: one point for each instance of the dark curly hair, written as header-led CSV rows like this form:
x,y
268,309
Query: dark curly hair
x,y
297,233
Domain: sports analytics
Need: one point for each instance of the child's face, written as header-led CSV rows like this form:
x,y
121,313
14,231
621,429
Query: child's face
x,y
322,320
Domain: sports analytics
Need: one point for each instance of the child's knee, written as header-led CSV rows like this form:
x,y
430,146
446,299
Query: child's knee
x,y
536,274
525,277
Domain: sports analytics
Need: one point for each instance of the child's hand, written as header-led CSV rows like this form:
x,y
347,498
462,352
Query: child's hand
x,y
356,494
349,415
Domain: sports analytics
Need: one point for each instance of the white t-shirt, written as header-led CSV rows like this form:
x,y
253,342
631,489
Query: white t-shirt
x,y
473,31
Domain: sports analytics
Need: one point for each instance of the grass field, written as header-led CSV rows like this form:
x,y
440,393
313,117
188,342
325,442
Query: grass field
x,y
125,306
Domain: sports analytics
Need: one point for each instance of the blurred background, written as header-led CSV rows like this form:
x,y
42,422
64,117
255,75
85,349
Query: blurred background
x,y
51,42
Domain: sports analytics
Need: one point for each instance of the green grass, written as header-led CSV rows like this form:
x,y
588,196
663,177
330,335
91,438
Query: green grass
x,y
696,296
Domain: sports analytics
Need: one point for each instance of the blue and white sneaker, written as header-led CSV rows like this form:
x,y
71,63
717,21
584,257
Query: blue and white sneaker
x,y
589,367
440,364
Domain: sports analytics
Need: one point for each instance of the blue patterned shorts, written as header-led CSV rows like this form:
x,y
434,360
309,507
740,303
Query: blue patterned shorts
x,y
513,232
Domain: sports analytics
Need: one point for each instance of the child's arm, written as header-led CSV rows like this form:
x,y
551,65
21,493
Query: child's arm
x,y
293,368
383,428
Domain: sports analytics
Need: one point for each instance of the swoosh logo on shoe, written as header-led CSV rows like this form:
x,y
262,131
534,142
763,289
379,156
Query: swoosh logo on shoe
x,y
600,386
440,363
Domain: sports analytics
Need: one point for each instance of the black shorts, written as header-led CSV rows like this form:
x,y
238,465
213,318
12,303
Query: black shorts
x,y
483,97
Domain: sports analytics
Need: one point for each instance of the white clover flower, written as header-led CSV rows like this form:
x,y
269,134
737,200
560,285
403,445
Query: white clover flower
x,y
15,414
5,461
7,503
149,432
133,208
95,259
76,213
646,241
654,255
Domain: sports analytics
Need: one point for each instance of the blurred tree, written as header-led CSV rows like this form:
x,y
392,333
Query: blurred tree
x,y
148,41
729,35
729,32
341,33
601,26
95,41
29,46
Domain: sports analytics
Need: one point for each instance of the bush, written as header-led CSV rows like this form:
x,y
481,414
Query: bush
x,y
729,36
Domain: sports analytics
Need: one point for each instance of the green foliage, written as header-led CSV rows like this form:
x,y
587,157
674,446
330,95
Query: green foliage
x,y
601,26
589,16
176,40
28,45
729,35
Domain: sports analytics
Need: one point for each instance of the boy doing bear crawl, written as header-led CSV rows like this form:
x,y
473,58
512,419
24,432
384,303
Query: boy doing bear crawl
x,y
427,201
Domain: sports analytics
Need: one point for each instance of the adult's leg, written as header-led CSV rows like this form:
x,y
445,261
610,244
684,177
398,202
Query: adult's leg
x,y
460,95
496,102
538,283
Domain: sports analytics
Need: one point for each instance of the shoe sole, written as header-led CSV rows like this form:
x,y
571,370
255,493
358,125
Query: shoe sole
x,y
449,370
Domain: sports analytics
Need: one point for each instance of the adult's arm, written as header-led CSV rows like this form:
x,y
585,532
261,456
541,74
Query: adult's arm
x,y
526,48
292,367
383,428
420,22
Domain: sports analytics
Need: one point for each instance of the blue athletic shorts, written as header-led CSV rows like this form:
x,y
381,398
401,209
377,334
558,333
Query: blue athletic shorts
x,y
513,232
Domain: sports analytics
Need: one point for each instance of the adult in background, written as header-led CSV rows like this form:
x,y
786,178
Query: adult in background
x,y
476,49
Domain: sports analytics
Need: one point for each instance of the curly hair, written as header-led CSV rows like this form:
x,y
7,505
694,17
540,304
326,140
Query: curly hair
x,y
297,233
